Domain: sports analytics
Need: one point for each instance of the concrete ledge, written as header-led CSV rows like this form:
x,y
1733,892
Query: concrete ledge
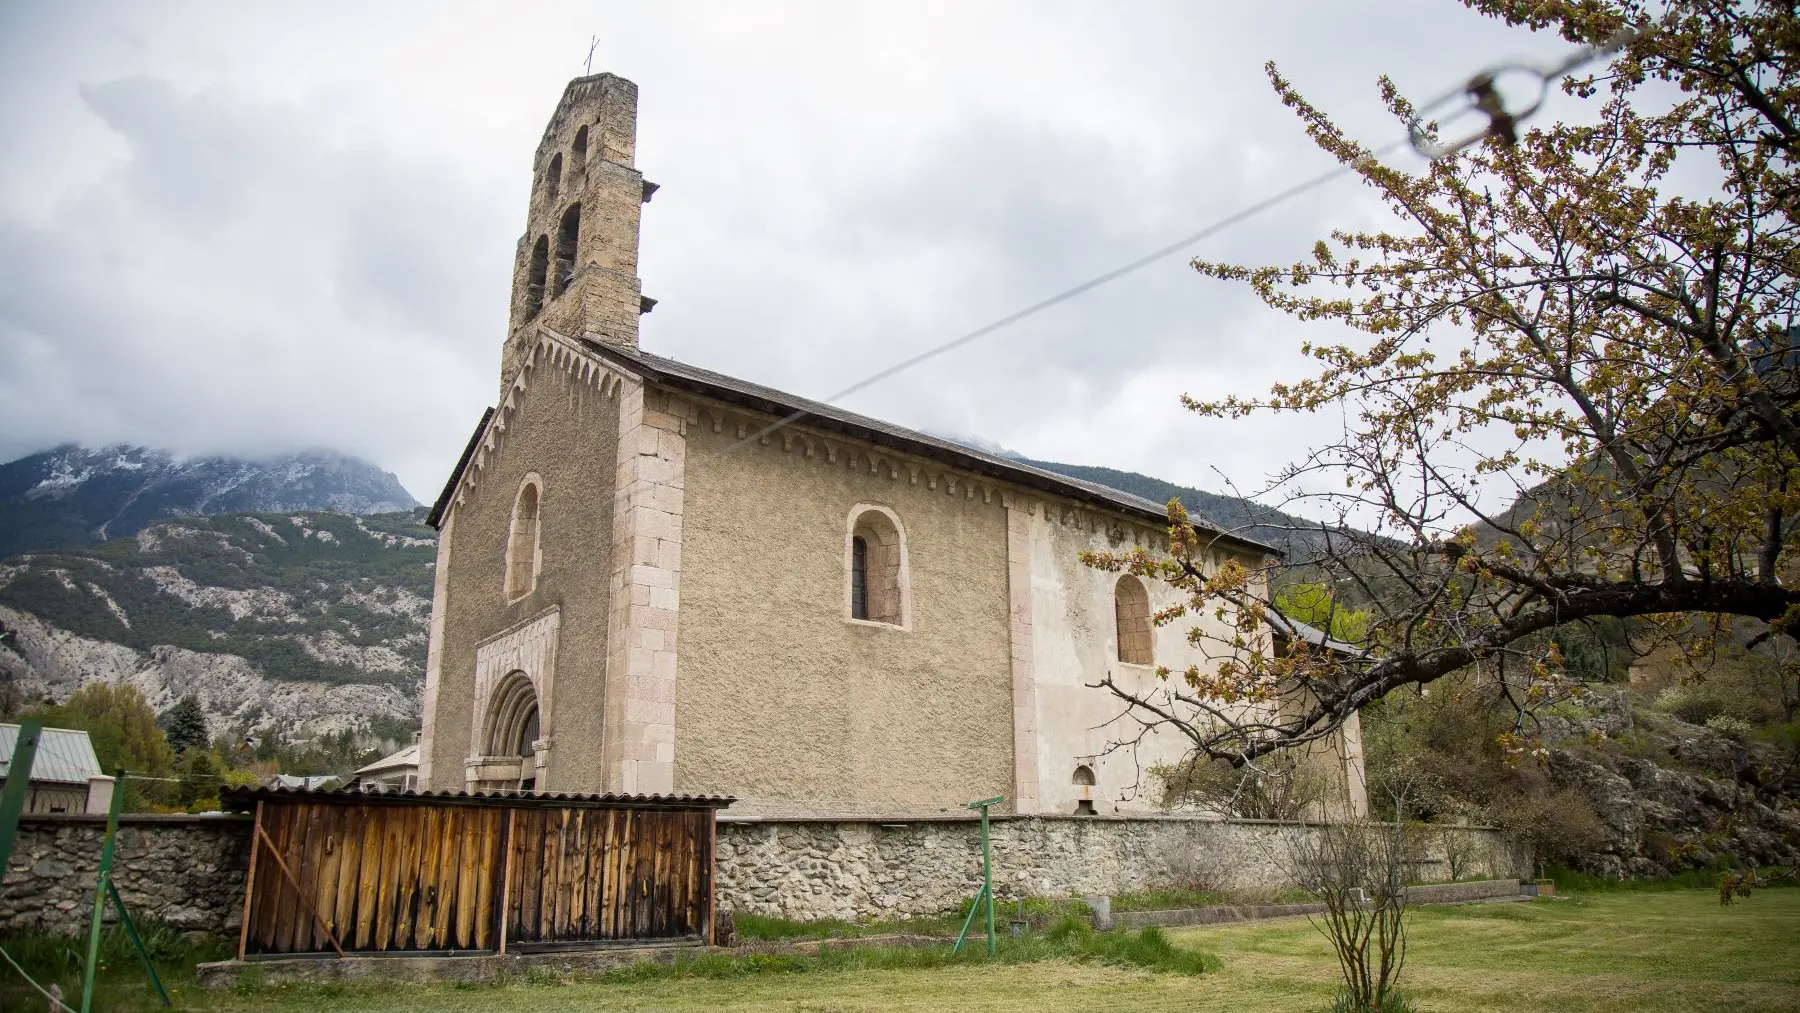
x,y
1212,914
1462,893
1431,893
138,819
403,969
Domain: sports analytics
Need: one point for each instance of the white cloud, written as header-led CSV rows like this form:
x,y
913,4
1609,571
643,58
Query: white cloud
x,y
237,228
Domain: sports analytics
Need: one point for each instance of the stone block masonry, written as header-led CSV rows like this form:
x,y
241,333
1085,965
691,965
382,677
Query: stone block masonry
x,y
186,872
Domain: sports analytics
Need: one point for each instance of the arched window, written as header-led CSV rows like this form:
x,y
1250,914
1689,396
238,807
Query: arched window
x,y
568,236
1131,611
534,280
554,176
578,155
522,543
878,584
513,724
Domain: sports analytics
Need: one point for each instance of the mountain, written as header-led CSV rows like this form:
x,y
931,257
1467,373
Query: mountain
x,y
1232,513
297,624
75,496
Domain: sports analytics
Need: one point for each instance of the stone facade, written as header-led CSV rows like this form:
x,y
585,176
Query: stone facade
x,y
700,548
559,421
864,869
183,871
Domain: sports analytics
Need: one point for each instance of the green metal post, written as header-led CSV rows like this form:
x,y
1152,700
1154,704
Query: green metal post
x,y
100,884
970,920
987,878
18,785
986,896
131,931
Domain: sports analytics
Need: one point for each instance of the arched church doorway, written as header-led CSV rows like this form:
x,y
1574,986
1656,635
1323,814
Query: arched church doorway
x,y
513,725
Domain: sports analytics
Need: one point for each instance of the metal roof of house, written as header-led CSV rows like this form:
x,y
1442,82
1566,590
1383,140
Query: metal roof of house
x,y
64,755
1314,636
679,375
245,799
408,757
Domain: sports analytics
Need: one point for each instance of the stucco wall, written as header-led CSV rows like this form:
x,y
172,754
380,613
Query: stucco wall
x,y
1074,644
862,870
563,425
780,697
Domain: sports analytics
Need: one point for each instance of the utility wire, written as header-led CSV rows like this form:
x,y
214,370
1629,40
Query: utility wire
x,y
1236,217
1478,94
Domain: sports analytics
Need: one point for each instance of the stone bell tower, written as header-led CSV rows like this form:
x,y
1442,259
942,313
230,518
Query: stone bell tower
x,y
576,265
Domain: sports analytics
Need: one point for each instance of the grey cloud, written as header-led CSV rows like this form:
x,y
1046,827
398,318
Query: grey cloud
x,y
207,246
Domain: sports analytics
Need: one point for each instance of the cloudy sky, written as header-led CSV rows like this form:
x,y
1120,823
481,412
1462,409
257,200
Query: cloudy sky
x,y
244,228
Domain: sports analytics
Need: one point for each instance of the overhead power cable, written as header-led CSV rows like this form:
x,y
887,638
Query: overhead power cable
x,y
1481,99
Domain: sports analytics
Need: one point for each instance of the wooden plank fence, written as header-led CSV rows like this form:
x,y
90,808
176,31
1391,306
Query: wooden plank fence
x,y
335,872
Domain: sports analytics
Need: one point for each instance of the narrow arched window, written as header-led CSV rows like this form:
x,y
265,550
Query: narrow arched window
x,y
553,178
878,584
534,279
522,543
859,577
1131,613
568,237
578,155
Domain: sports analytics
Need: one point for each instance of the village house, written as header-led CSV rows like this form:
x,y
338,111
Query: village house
x,y
65,774
644,585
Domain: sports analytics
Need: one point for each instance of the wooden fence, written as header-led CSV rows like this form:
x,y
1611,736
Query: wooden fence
x,y
346,872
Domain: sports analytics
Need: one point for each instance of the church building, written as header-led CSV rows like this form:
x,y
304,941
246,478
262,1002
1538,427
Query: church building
x,y
644,586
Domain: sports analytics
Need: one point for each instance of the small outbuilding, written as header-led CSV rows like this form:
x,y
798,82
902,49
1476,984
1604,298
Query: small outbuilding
x,y
397,771
447,873
65,774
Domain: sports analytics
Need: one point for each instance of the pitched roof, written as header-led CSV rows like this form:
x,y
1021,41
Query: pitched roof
x,y
672,373
63,755
1314,636
408,757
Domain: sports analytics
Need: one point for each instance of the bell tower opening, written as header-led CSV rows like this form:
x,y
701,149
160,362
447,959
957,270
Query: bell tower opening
x,y
575,277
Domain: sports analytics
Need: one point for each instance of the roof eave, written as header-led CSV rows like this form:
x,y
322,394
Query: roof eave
x,y
1018,474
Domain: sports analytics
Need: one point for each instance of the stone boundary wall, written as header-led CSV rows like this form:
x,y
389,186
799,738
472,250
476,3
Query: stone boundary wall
x,y
184,871
188,871
864,869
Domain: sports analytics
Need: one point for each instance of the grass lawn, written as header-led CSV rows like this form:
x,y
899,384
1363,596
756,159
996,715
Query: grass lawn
x,y
1674,951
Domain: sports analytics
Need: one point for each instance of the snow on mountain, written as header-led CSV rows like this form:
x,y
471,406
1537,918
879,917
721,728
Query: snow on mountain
x,y
73,496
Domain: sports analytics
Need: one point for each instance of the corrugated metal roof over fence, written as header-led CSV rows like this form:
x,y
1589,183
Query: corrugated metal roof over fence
x,y
63,755
245,799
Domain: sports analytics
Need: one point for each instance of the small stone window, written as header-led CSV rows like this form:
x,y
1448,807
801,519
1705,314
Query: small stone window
x,y
877,580
553,177
568,237
1131,613
1084,779
522,542
535,278
578,155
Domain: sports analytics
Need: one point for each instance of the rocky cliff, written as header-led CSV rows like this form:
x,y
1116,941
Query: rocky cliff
x,y
296,625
